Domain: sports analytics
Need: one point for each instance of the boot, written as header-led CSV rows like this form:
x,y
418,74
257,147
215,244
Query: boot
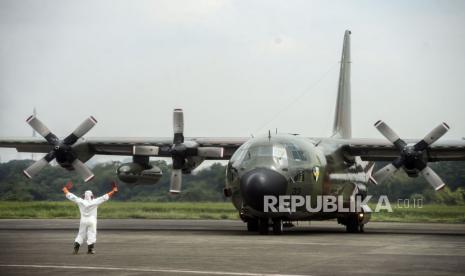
x,y
76,248
90,249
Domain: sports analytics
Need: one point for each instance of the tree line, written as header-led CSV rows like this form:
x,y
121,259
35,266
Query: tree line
x,y
205,185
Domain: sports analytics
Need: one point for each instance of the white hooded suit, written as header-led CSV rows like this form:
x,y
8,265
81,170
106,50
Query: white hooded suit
x,y
88,208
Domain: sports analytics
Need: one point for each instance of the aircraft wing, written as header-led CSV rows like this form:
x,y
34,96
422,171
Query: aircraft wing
x,y
382,150
73,150
124,146
35,145
367,149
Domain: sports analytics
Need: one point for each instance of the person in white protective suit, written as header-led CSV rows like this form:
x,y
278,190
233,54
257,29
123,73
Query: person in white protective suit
x,y
88,209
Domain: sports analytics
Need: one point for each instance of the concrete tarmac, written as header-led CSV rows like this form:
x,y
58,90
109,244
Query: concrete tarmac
x,y
207,247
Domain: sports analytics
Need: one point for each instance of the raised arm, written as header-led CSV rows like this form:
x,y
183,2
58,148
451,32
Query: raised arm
x,y
106,196
70,195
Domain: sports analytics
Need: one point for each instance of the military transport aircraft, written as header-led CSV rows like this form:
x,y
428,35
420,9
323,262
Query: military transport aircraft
x,y
281,164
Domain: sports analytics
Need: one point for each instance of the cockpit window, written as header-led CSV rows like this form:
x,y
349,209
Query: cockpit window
x,y
295,152
275,151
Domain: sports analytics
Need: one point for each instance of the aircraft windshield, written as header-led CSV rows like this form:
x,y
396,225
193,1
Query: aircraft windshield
x,y
276,151
295,152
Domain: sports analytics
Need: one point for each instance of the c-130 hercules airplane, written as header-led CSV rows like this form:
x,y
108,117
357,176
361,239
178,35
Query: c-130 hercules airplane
x,y
281,164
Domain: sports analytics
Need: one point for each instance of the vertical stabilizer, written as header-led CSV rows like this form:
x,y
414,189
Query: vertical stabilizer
x,y
342,121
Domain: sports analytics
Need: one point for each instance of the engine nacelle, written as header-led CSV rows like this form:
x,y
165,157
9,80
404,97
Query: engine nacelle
x,y
137,174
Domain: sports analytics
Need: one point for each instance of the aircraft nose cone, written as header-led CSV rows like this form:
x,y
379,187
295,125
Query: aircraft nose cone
x,y
257,183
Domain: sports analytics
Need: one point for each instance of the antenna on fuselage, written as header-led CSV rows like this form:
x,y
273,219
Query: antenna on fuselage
x,y
269,135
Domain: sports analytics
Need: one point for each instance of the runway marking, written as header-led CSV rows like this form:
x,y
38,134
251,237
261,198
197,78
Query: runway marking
x,y
178,271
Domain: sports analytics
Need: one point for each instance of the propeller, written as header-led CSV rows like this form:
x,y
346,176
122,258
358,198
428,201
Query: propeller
x,y
182,150
412,156
62,150
178,151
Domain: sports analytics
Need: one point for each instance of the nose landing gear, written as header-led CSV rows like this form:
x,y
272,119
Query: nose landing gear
x,y
252,225
262,226
277,226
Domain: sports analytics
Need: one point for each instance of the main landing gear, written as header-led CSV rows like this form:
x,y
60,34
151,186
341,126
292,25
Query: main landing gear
x,y
353,225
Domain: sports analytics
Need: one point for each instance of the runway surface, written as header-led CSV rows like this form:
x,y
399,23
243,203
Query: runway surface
x,y
200,247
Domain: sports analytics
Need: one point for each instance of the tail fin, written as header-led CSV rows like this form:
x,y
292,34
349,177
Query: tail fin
x,y
342,121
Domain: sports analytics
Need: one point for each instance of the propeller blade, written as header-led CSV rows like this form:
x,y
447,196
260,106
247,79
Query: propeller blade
x,y
213,152
390,134
432,136
80,131
38,165
432,178
384,173
42,129
178,126
82,170
176,181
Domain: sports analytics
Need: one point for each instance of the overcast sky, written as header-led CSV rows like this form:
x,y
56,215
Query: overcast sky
x,y
235,67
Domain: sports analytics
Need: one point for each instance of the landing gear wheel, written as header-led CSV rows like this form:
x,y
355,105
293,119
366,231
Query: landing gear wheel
x,y
252,225
351,228
277,226
352,225
263,226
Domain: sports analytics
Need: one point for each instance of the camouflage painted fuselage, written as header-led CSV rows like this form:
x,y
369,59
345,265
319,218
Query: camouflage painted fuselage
x,y
289,165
